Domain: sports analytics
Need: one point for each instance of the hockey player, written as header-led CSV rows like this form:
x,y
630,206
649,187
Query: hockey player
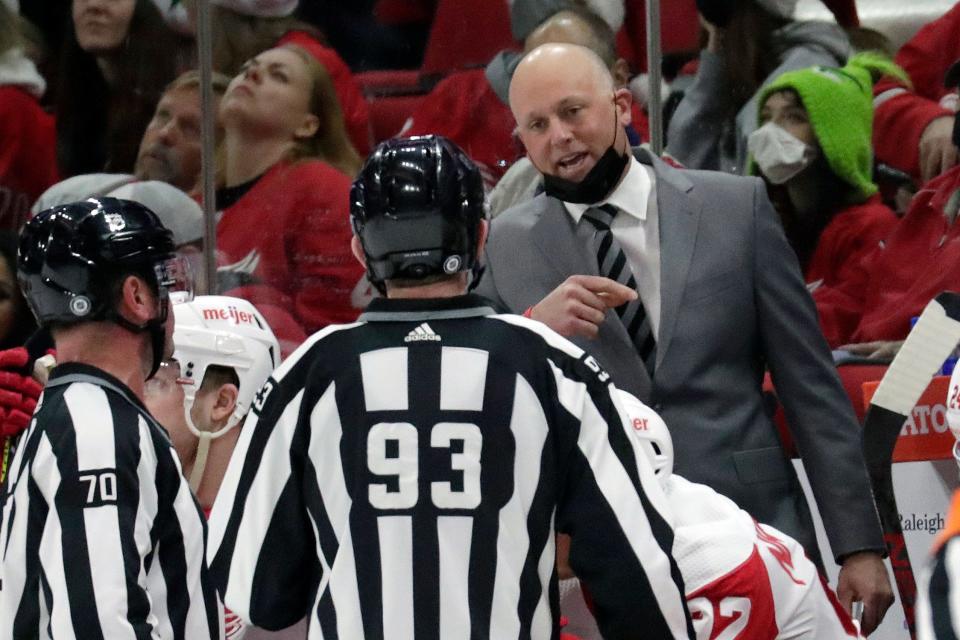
x,y
224,353
938,609
403,476
100,536
743,579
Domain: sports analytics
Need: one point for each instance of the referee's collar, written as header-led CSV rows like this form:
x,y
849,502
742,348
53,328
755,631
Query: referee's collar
x,y
79,368
392,309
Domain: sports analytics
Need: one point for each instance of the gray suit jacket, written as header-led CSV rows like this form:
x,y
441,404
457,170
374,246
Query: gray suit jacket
x,y
733,303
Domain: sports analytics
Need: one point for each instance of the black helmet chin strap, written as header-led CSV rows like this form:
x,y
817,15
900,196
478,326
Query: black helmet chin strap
x,y
158,335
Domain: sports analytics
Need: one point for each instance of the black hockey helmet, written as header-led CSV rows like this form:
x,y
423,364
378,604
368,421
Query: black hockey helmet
x,y
416,207
69,254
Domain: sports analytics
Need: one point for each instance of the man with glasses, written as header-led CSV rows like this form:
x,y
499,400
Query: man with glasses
x,y
100,534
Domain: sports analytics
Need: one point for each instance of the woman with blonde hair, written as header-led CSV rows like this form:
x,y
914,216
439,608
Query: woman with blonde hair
x,y
283,237
243,28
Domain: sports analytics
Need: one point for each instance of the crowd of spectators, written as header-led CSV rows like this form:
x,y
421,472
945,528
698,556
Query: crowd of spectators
x,y
108,103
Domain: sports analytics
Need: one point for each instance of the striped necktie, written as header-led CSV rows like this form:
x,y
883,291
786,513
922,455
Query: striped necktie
x,y
612,263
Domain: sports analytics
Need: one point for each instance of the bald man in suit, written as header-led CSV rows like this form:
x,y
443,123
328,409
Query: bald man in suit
x,y
684,288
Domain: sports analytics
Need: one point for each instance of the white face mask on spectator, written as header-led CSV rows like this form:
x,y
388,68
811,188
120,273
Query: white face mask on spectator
x,y
779,154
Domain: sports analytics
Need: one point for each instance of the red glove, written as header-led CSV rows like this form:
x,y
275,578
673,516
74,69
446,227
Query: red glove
x,y
18,391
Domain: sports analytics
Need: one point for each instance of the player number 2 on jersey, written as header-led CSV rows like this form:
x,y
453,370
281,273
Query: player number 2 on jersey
x,y
725,620
393,450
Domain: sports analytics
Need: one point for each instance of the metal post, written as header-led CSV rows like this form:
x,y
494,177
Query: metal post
x,y
654,67
207,135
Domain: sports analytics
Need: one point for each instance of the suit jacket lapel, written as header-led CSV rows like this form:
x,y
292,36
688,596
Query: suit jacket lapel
x,y
679,211
556,238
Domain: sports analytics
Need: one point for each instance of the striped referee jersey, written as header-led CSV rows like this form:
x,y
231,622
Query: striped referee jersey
x,y
938,588
404,477
100,535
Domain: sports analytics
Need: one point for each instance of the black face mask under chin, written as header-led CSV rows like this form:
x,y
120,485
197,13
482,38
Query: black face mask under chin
x,y
595,186
599,181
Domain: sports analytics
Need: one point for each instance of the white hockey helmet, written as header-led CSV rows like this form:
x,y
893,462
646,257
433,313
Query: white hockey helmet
x,y
227,332
953,411
652,432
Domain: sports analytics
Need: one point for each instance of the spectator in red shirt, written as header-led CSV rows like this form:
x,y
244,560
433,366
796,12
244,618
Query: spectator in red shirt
x,y
812,148
914,118
283,238
28,163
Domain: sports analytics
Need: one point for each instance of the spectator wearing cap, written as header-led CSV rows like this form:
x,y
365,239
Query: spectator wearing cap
x,y
813,151
116,62
244,28
27,136
914,118
750,42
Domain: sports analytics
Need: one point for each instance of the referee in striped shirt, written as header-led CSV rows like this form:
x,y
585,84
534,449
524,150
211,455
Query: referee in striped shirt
x,y
100,536
405,476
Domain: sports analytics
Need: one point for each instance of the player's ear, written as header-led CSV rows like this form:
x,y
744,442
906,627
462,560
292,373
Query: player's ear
x,y
482,236
225,403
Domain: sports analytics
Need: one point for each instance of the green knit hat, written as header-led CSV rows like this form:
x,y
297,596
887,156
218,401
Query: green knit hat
x,y
839,103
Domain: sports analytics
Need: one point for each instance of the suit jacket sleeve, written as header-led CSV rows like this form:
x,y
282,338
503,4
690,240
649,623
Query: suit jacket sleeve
x,y
818,411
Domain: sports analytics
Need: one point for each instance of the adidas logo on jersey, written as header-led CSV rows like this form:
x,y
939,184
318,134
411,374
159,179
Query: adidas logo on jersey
x,y
423,332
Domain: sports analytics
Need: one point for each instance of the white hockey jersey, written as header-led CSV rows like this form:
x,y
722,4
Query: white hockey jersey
x,y
743,580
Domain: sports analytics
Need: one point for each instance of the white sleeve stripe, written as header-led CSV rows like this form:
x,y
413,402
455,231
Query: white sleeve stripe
x,y
344,590
951,562
325,435
617,488
529,427
102,526
51,547
454,539
93,423
395,535
340,577
542,624
159,616
265,489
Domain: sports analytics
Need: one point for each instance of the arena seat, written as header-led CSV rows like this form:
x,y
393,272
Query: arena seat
x,y
465,34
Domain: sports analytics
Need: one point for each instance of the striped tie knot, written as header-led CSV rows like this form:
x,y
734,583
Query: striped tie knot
x,y
600,217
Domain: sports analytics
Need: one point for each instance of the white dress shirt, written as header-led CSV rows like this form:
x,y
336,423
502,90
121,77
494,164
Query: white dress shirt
x,y
636,228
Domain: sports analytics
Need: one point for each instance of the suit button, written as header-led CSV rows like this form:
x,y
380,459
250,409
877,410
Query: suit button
x,y
657,407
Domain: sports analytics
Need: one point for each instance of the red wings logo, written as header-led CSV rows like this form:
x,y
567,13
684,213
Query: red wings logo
x,y
779,551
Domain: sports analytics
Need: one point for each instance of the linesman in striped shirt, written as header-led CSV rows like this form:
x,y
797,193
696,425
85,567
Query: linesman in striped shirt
x,y
405,476
100,535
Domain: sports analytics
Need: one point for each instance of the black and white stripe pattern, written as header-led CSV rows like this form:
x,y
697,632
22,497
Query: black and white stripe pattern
x,y
612,263
938,594
392,489
100,535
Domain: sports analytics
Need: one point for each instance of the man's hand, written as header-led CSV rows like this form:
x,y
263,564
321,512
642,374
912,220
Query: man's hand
x,y
937,151
578,306
879,350
863,577
18,392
